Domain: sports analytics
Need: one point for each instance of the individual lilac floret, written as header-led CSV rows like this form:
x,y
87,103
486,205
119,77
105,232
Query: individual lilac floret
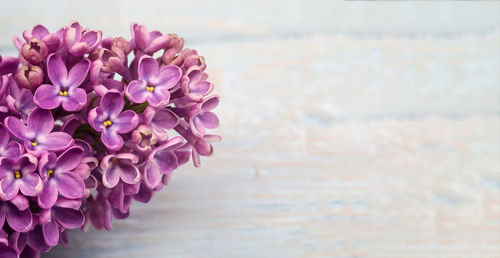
x,y
147,42
201,118
79,41
110,121
20,100
43,34
37,135
65,85
58,177
120,166
11,150
161,161
30,76
19,175
194,84
154,82
160,121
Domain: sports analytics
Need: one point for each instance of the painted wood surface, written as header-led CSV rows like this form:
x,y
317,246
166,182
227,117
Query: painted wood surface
x,y
351,129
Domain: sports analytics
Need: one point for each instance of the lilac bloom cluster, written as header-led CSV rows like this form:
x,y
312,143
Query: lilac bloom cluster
x,y
88,124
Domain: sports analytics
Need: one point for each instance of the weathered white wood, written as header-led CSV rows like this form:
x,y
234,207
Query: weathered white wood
x,y
350,129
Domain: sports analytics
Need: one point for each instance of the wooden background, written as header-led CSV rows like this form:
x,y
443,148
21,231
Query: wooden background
x,y
351,129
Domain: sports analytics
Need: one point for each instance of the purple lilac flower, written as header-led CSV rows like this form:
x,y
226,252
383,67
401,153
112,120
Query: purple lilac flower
x,y
59,178
120,166
65,85
18,175
201,118
109,119
160,121
194,84
37,135
161,161
145,41
154,82
79,41
20,101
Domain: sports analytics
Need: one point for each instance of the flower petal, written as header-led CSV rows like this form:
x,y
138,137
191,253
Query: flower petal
x,y
50,233
112,140
126,122
69,159
17,128
128,172
40,122
160,97
48,197
77,74
56,141
56,69
111,176
166,161
168,76
164,120
12,151
8,187
68,218
136,91
76,99
30,184
152,175
70,185
209,120
112,103
148,68
19,220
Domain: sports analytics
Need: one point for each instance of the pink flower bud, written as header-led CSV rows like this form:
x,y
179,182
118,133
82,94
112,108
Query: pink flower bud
x,y
30,77
34,51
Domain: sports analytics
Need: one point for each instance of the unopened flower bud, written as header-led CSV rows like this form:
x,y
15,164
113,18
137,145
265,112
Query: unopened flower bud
x,y
34,51
30,77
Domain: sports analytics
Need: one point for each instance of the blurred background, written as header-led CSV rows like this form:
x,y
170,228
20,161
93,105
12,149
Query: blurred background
x,y
350,129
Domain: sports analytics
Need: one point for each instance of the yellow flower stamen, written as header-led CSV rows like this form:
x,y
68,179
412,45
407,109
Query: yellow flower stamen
x,y
34,143
107,123
50,171
150,88
63,93
17,174
115,160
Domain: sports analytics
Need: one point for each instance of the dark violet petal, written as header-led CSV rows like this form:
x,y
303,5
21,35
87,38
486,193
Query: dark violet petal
x,y
9,65
56,69
136,91
112,140
36,239
210,103
148,68
77,74
112,103
48,197
7,252
40,122
126,122
51,233
56,141
17,128
70,185
144,195
69,159
18,220
168,76
70,125
68,218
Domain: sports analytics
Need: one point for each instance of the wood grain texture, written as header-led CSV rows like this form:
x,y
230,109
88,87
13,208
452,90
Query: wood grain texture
x,y
350,129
